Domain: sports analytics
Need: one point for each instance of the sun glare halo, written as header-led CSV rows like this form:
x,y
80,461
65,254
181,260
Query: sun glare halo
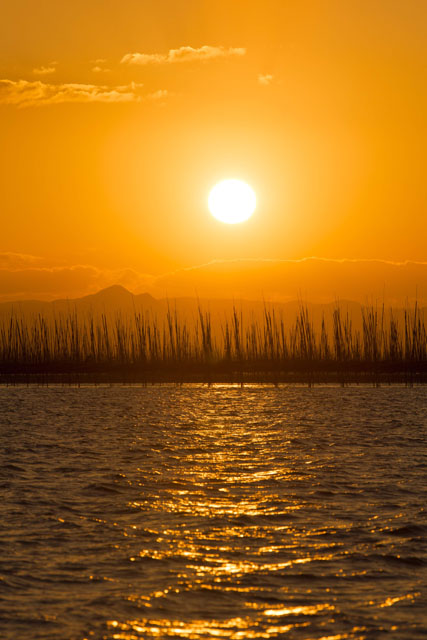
x,y
232,201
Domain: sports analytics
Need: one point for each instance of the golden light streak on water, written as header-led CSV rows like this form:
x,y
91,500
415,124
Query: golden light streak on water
x,y
193,513
233,629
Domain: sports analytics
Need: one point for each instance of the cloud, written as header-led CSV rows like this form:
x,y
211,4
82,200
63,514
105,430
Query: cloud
x,y
183,54
312,279
44,71
265,79
11,260
24,93
48,283
98,69
161,94
99,65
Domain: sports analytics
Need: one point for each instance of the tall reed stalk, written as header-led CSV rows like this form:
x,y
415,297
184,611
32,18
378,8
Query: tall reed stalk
x,y
144,341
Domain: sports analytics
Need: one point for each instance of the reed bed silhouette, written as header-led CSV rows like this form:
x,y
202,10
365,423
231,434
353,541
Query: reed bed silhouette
x,y
144,348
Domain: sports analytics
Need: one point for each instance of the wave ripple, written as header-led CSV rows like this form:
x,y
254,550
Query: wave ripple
x,y
195,512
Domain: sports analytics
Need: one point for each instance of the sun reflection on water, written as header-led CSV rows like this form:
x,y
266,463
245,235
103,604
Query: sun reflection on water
x,y
220,512
238,628
231,535
210,558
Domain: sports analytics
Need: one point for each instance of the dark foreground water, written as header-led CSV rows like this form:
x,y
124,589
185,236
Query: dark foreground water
x,y
217,512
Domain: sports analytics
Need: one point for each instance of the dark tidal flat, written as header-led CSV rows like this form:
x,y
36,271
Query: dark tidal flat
x,y
213,512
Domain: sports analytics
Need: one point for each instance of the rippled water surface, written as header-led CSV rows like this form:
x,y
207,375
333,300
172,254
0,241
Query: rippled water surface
x,y
221,512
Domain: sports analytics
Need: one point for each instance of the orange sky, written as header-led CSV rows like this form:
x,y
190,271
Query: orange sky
x,y
117,117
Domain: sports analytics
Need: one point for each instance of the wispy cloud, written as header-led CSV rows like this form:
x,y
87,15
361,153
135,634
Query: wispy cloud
x,y
98,69
45,71
12,260
161,94
313,279
183,54
265,79
24,93
47,283
99,65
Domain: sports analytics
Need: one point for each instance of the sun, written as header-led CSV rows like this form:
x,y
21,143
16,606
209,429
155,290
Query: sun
x,y
232,201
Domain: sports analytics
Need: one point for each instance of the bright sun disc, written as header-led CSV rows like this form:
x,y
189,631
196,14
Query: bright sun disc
x,y
232,201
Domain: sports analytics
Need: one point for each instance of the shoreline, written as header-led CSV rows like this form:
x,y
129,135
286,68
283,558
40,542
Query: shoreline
x,y
211,377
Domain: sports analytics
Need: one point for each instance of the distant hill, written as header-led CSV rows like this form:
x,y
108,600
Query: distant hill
x,y
117,300
110,300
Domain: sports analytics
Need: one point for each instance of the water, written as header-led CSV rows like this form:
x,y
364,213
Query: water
x,y
195,512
